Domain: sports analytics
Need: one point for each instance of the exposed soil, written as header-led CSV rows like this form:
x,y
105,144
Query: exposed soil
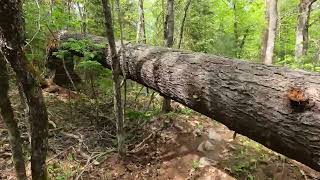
x,y
179,145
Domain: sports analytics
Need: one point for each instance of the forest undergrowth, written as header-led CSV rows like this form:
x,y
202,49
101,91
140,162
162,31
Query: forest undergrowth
x,y
182,144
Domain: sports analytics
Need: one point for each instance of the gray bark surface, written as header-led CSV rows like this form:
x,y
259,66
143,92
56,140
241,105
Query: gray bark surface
x,y
275,106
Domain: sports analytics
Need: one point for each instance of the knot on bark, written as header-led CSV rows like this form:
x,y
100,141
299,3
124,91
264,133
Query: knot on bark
x,y
299,102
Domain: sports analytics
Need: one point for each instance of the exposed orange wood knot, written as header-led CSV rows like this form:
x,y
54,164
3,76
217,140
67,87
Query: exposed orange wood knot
x,y
298,99
297,95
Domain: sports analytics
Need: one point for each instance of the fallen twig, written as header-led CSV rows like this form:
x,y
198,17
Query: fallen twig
x,y
55,156
138,147
91,158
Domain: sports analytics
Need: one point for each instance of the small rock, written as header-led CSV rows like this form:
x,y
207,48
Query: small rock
x,y
178,126
95,162
208,146
197,132
213,135
231,147
203,162
201,147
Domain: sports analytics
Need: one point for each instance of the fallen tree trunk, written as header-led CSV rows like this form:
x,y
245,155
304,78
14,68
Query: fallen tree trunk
x,y
275,106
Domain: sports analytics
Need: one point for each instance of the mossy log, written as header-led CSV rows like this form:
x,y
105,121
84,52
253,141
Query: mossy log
x,y
275,106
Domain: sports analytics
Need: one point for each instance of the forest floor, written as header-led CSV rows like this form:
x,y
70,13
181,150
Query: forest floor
x,y
180,145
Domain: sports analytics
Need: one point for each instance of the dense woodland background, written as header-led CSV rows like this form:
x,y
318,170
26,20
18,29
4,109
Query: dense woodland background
x,y
158,138
231,28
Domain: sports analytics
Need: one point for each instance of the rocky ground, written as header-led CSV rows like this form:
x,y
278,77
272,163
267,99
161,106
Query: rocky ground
x,y
179,145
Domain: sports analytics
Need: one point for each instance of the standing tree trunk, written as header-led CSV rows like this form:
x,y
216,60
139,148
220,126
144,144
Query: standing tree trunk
x,y
235,28
186,8
83,16
68,4
302,35
141,31
270,32
11,42
168,35
170,23
116,71
12,126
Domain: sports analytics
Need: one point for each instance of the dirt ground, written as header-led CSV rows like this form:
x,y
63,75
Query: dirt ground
x,y
179,145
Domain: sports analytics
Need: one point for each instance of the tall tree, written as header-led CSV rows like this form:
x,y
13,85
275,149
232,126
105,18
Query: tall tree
x,y
11,124
116,70
11,47
83,15
169,24
235,26
270,32
168,35
186,8
302,32
141,30
68,4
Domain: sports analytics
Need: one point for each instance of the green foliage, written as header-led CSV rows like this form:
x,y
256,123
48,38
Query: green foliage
x,y
62,54
187,111
88,64
231,28
242,165
195,164
58,172
307,63
86,49
41,21
91,67
244,168
138,115
105,82
218,26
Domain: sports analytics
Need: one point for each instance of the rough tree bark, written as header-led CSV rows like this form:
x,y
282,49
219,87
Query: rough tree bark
x,y
168,35
270,32
116,71
302,34
10,123
11,43
275,106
